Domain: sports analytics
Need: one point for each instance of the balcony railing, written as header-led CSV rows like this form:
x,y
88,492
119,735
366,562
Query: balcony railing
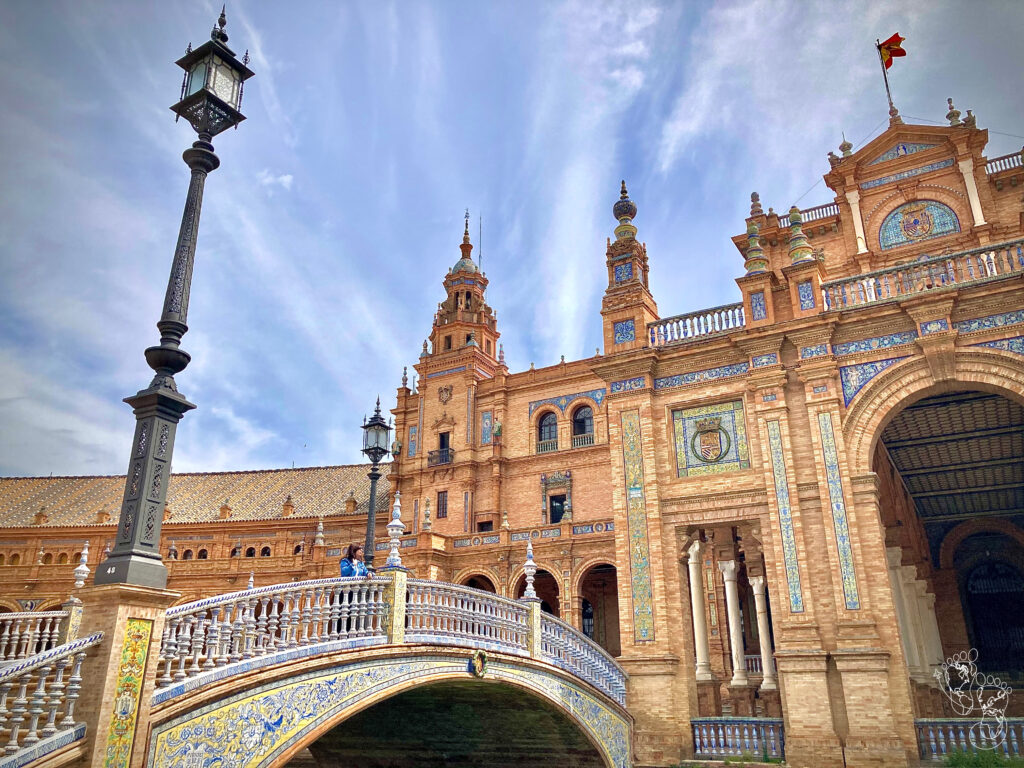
x,y
940,737
440,456
760,738
979,264
581,441
696,325
826,211
1005,163
547,446
753,664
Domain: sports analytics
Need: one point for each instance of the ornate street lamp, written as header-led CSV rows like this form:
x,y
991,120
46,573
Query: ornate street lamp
x,y
375,445
211,96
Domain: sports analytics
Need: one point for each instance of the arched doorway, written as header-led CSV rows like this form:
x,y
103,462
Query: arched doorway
x,y
480,582
951,496
599,607
546,587
453,723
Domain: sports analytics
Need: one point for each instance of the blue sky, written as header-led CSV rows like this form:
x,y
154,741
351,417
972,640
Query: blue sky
x,y
371,127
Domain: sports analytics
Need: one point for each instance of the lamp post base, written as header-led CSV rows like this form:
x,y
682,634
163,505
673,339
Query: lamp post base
x,y
132,569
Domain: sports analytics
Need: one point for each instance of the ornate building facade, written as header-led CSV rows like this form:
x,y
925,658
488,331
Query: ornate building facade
x,y
792,506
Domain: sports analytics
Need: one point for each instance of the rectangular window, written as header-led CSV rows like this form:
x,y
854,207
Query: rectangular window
x,y
444,441
447,342
442,504
556,508
485,527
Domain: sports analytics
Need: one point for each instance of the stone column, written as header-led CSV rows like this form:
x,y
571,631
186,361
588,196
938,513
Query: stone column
x,y
763,635
967,170
700,625
932,645
908,637
732,605
853,198
913,613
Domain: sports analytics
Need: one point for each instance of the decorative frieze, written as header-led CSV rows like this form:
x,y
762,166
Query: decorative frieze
x,y
628,385
854,377
694,377
934,326
907,174
878,342
446,371
814,350
760,361
989,322
1016,344
597,395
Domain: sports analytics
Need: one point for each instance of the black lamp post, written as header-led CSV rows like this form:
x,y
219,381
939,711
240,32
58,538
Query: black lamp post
x,y
375,445
211,95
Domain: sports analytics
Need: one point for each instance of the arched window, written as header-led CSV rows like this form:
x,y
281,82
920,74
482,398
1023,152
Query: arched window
x,y
62,558
77,558
265,552
582,426
15,559
297,550
916,221
236,551
1,559
188,554
547,433
250,552
202,555
48,559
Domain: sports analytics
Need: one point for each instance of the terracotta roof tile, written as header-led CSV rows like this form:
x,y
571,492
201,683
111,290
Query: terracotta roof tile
x,y
194,497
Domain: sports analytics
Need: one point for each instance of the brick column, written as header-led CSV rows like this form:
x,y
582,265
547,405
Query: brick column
x,y
116,698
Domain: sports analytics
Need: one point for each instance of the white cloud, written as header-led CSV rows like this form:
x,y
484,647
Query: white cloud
x,y
268,179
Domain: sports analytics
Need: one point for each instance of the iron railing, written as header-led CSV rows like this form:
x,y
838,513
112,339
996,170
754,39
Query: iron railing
x,y
440,456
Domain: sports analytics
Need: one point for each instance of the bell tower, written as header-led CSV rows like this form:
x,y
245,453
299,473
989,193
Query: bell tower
x,y
464,319
628,305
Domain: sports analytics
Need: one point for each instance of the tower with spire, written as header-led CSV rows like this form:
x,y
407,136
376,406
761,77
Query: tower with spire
x,y
628,305
464,320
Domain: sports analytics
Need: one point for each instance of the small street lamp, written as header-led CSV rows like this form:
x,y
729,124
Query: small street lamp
x,y
375,445
211,95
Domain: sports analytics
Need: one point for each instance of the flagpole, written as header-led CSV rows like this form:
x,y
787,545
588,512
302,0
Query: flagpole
x,y
893,112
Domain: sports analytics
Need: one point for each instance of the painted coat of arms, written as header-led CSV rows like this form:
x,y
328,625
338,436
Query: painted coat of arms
x,y
711,442
444,394
916,222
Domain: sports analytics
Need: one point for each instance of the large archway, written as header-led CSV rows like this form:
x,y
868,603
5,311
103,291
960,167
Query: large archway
x,y
457,723
599,606
951,482
546,587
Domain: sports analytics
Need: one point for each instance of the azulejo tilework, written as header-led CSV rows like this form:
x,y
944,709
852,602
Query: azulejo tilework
x,y
842,528
992,321
694,377
900,150
486,425
1016,344
815,350
130,674
255,728
449,370
625,331
805,291
796,597
628,385
771,397
597,395
412,441
760,361
854,377
636,515
623,272
907,174
917,221
878,342
934,326
710,439
758,309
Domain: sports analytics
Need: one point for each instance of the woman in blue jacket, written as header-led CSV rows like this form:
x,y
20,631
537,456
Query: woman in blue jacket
x,y
352,563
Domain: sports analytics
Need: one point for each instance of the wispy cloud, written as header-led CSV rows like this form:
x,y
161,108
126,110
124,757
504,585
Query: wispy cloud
x,y
270,180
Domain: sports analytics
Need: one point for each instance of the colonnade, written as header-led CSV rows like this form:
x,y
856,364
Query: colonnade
x,y
915,612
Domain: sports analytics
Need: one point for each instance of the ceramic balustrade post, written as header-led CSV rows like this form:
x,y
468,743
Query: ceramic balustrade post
x,y
70,625
395,602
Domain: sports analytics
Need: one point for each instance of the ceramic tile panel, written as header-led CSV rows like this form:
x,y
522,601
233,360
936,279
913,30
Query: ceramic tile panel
x,y
710,439
839,520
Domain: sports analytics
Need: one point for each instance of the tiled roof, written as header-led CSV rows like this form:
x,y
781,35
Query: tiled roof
x,y
194,497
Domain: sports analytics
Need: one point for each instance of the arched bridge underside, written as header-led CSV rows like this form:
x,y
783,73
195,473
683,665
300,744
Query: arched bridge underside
x,y
391,706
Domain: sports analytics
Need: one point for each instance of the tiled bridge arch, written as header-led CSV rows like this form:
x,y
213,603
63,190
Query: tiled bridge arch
x,y
340,654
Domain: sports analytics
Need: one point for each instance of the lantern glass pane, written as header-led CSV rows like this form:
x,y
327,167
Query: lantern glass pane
x,y
380,437
196,78
224,83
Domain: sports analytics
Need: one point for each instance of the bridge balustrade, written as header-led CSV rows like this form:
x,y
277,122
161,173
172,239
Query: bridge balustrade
x,y
571,650
34,694
437,611
218,631
27,633
716,738
938,738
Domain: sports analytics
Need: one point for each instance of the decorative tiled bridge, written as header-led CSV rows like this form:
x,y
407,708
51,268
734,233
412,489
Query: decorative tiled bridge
x,y
254,676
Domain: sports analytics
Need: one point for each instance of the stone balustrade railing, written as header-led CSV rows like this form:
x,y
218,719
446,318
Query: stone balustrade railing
x,y
826,211
568,648
757,738
753,664
937,738
436,611
979,264
25,634
37,702
696,325
231,634
217,631
1005,163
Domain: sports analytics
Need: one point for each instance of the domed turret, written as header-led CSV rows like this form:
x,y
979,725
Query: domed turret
x,y
624,208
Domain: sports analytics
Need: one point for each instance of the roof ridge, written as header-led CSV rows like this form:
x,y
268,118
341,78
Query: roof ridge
x,y
194,474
